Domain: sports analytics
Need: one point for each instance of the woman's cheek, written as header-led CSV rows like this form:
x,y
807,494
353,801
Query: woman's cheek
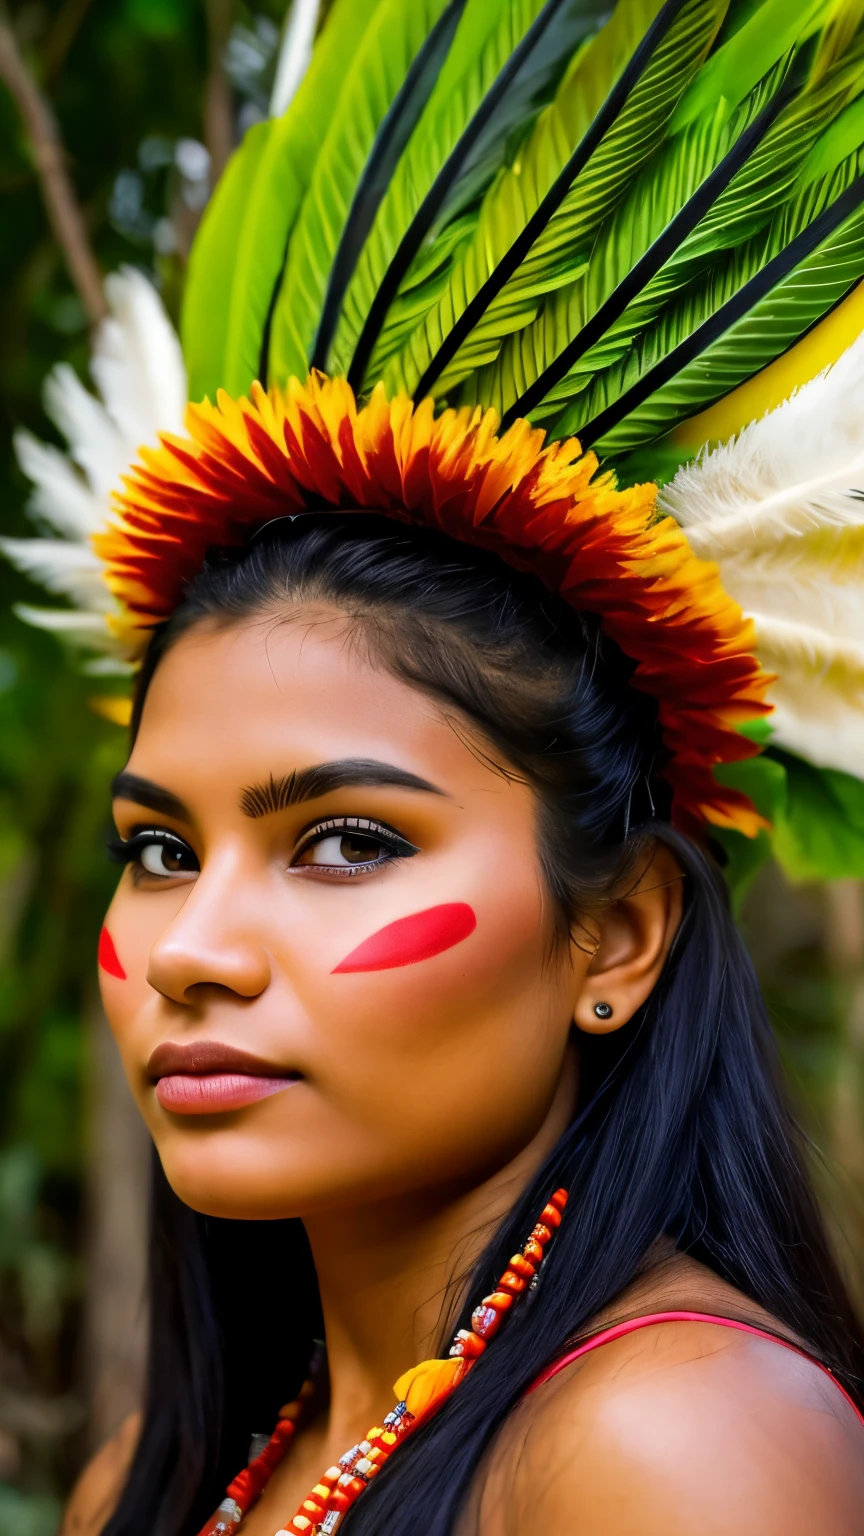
x,y
449,970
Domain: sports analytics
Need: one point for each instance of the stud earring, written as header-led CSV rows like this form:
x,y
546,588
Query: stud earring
x,y
603,1010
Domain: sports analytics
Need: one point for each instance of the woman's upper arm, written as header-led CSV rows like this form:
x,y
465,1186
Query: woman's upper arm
x,y
97,1491
747,1440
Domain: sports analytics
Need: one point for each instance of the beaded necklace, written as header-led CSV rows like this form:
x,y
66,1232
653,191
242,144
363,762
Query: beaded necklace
x,y
420,1392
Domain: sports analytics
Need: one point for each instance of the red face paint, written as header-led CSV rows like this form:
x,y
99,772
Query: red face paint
x,y
108,956
410,939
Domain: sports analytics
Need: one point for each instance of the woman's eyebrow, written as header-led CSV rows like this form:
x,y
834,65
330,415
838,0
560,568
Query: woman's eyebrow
x,y
128,786
311,783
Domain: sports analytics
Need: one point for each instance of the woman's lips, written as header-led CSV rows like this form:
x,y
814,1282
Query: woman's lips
x,y
207,1078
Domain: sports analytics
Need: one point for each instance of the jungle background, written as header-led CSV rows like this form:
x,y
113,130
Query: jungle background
x,y
116,119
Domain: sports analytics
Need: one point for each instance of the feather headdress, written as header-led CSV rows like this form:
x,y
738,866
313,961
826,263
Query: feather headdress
x,y
624,227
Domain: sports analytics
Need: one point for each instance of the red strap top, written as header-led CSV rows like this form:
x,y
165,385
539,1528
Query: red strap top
x,y
620,1330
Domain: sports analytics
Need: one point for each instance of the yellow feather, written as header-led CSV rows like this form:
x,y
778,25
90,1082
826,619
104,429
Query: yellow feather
x,y
112,707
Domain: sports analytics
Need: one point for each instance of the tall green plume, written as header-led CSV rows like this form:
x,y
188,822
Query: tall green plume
x,y
548,194
677,184
355,114
503,60
240,246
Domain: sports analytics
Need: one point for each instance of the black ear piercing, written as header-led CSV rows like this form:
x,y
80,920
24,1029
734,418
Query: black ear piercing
x,y
603,1010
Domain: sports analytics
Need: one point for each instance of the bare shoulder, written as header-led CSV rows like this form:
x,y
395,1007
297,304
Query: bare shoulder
x,y
676,1429
98,1489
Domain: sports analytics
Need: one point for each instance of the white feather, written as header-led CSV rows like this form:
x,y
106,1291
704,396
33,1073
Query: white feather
x,y
295,54
72,623
820,724
137,363
780,509
61,497
796,469
138,369
816,580
94,442
71,569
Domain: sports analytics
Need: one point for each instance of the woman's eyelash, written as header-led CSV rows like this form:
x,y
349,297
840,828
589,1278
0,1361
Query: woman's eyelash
x,y
398,846
126,850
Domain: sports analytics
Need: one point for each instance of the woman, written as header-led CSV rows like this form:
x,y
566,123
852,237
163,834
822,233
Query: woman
x,y
421,966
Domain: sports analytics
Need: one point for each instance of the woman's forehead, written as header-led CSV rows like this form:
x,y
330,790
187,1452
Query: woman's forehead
x,y
241,701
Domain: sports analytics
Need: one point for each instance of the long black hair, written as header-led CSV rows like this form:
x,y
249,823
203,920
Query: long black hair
x,y
681,1132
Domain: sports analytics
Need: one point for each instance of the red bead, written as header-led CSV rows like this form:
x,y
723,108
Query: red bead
x,y
533,1251
339,1500
560,1198
541,1234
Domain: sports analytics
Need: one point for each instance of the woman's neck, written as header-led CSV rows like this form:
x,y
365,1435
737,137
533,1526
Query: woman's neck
x,y
392,1276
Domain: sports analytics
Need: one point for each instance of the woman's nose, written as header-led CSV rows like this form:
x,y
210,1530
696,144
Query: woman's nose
x,y
211,942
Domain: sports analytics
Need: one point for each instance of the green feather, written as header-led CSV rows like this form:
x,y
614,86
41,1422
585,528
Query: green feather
x,y
354,114
564,245
657,195
244,235
775,28
837,143
484,41
207,296
770,176
771,326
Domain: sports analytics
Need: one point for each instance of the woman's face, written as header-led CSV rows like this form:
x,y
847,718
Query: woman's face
x,y
330,967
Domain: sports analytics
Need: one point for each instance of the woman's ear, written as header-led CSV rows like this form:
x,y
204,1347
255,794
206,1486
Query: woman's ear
x,y
634,934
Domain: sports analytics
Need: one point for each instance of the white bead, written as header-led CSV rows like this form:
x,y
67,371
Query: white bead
x,y
365,1447
363,1465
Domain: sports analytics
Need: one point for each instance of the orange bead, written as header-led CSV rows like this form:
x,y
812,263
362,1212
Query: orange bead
x,y
541,1234
499,1300
486,1321
533,1251
512,1282
550,1217
522,1267
560,1198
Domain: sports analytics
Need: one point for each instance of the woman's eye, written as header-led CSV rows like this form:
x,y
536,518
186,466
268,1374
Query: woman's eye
x,y
167,858
348,849
154,852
